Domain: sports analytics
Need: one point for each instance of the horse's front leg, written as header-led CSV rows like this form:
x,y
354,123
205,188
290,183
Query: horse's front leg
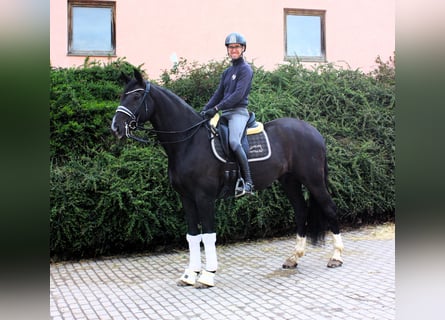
x,y
194,239
206,209
200,228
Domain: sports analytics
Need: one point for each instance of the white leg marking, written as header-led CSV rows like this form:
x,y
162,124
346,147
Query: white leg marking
x,y
300,247
338,247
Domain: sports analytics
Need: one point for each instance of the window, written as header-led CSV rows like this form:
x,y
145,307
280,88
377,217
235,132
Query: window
x,y
91,28
304,34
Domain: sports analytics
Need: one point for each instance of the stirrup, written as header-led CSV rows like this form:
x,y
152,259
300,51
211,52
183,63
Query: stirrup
x,y
239,188
242,188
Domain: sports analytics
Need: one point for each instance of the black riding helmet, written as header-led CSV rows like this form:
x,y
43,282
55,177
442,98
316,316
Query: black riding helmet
x,y
235,37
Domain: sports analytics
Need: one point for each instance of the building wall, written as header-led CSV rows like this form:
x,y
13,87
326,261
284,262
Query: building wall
x,y
152,33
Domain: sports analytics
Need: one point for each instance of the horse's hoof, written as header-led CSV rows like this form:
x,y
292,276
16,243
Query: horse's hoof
x,y
199,285
334,263
181,283
289,264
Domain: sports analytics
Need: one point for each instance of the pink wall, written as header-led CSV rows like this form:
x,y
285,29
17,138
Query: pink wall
x,y
150,32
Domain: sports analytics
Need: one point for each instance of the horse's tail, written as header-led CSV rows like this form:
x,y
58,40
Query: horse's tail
x,y
317,223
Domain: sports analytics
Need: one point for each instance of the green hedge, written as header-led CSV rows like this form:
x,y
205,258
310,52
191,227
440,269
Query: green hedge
x,y
110,197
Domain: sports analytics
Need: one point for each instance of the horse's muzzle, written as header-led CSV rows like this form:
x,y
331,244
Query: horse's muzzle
x,y
118,130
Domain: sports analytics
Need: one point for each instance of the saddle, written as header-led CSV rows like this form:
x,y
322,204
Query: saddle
x,y
255,141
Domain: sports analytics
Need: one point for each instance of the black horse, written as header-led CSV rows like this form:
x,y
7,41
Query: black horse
x,y
298,158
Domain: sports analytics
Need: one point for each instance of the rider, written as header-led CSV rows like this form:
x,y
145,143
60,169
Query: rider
x,y
231,97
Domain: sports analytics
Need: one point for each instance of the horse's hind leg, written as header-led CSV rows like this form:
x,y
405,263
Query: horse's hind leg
x,y
292,188
206,209
336,259
194,238
321,200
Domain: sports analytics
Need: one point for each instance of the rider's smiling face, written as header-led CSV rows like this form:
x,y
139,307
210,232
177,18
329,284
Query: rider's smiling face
x,y
235,50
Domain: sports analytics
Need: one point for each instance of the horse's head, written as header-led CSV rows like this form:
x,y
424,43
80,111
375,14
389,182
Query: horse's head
x,y
133,109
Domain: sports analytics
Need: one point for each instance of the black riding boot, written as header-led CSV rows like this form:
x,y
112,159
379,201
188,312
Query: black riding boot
x,y
245,172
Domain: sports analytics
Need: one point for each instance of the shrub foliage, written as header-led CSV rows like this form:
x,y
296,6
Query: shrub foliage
x,y
109,197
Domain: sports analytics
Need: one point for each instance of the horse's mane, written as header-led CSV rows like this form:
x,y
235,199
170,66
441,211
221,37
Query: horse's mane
x,y
175,98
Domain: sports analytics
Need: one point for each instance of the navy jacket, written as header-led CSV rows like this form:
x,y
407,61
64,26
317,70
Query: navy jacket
x,y
234,87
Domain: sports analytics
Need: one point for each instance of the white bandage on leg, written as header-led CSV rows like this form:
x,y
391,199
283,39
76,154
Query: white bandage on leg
x,y
189,277
209,240
207,278
195,252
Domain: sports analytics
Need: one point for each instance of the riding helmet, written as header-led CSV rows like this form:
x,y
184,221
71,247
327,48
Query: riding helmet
x,y
236,37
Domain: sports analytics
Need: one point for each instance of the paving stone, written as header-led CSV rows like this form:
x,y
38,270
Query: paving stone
x,y
250,284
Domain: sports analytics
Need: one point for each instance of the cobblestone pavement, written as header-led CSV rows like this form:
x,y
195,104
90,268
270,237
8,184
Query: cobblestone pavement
x,y
250,283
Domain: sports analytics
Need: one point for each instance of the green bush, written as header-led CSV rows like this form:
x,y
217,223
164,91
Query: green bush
x,y
355,114
110,197
82,103
112,203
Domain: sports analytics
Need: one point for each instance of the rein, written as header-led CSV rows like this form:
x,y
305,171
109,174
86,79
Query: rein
x,y
154,132
133,125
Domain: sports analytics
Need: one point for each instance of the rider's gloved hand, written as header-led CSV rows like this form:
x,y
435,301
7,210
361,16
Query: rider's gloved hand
x,y
210,112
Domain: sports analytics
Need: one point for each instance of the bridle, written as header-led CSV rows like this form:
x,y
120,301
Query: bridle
x,y
134,124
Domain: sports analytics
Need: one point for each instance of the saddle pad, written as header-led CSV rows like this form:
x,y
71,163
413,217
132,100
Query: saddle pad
x,y
259,147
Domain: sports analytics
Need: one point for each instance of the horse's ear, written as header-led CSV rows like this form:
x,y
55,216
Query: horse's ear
x,y
125,78
138,76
